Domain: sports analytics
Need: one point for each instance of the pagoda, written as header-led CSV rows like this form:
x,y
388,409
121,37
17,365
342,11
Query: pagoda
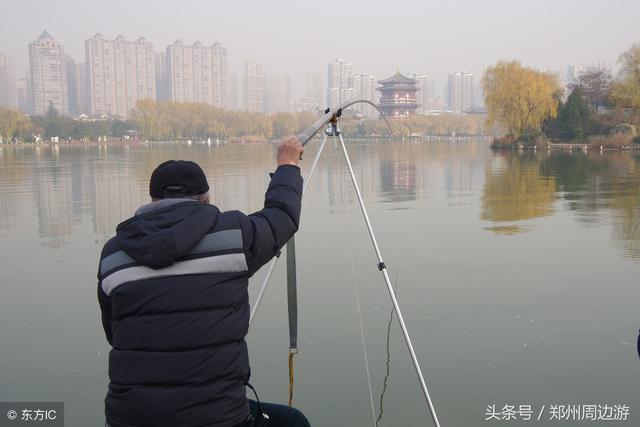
x,y
398,96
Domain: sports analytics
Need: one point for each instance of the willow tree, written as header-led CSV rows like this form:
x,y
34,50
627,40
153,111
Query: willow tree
x,y
519,98
626,91
13,124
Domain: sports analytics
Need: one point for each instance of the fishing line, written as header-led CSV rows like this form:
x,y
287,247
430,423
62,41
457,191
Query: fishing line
x,y
362,336
387,374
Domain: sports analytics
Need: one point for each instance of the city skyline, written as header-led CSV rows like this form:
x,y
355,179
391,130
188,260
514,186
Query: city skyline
x,y
427,42
118,73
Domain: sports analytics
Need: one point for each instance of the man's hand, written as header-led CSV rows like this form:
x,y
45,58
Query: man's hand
x,y
289,152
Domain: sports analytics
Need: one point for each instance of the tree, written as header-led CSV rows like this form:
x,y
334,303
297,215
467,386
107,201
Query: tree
x,y
626,90
14,124
574,118
519,98
596,88
119,128
54,123
284,124
305,119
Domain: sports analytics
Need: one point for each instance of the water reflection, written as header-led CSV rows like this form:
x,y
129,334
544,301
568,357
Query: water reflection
x,y
595,187
65,184
398,179
464,221
515,188
507,230
107,183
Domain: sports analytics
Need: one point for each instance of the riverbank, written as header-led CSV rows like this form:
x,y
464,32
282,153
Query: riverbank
x,y
597,142
250,140
254,140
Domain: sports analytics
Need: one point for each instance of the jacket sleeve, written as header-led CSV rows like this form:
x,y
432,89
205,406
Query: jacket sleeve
x,y
272,227
105,306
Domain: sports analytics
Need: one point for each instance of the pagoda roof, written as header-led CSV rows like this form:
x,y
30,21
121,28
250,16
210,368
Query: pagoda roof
x,y
397,78
397,86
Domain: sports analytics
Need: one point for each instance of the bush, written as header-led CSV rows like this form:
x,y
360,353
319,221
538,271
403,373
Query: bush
x,y
624,129
541,142
636,140
530,136
610,141
503,142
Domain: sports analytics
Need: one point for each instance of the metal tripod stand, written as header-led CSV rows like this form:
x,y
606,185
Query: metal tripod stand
x,y
332,130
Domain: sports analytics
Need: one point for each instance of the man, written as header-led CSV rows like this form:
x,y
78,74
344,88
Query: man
x,y
172,287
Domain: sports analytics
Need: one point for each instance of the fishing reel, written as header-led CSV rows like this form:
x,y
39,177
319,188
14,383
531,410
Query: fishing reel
x,y
332,127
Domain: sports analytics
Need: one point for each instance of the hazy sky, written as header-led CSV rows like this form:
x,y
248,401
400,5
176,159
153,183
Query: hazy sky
x,y
378,37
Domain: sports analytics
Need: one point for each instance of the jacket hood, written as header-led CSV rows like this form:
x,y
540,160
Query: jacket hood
x,y
164,231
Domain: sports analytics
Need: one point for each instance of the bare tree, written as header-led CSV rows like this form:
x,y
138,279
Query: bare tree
x,y
596,88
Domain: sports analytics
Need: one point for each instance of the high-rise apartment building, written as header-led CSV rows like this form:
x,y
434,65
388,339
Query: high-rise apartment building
x,y
573,73
162,80
278,94
313,90
71,71
83,89
339,83
198,73
459,92
425,94
22,95
48,82
235,98
254,87
301,103
7,82
121,73
364,87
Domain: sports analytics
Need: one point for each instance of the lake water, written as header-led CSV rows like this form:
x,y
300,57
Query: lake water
x,y
517,274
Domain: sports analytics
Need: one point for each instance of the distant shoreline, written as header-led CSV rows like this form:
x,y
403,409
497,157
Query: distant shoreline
x,y
594,143
576,146
246,140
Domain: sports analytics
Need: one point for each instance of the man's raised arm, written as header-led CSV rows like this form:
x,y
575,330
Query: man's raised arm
x,y
277,222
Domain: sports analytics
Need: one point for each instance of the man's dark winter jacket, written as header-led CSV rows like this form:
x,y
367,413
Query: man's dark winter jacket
x,y
172,287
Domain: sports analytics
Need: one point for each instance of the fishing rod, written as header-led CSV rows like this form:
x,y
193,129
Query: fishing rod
x,y
332,116
330,119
